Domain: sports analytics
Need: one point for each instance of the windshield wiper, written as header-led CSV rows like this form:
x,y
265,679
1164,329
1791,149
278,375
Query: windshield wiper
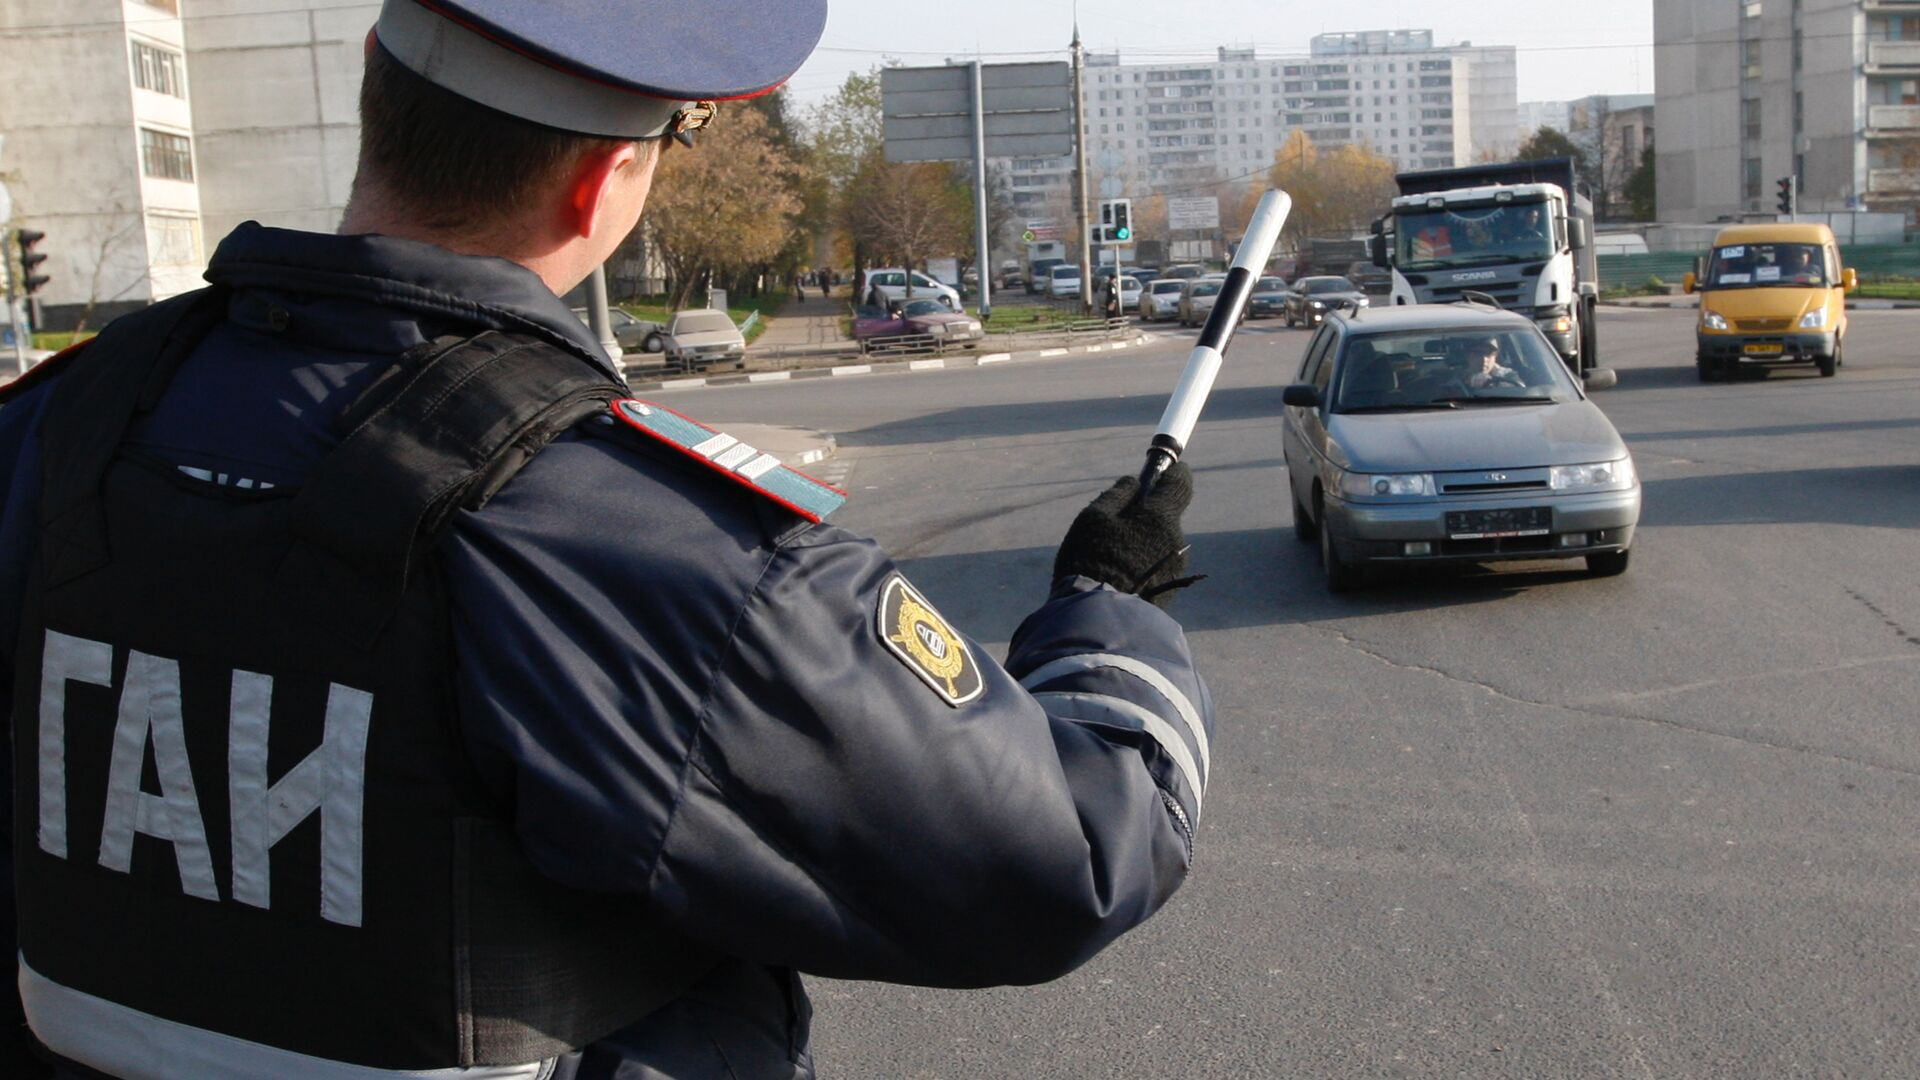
x,y
1405,407
1477,400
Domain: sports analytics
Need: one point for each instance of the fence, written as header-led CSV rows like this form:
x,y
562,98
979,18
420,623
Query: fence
x,y
1873,262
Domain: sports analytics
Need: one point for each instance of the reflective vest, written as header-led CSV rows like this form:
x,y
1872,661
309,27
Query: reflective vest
x,y
248,838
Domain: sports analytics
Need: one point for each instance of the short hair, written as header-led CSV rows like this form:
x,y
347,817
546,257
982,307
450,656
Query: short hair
x,y
450,162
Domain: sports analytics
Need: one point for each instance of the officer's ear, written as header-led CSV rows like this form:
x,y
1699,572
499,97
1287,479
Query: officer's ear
x,y
610,185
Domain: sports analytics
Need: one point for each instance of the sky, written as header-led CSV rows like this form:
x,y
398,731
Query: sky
x,y
1566,49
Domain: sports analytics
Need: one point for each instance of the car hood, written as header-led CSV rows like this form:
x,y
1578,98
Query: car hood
x,y
708,337
1769,302
939,319
1475,437
1329,297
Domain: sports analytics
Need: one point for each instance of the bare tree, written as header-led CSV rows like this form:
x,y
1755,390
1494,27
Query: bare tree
x,y
908,212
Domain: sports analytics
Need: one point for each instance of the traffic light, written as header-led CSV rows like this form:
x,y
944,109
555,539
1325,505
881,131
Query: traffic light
x,y
30,282
1788,190
1122,220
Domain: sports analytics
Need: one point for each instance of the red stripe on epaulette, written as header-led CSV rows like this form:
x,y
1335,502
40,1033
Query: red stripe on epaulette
x,y
41,372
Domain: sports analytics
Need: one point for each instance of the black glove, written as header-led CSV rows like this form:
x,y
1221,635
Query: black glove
x,y
1134,547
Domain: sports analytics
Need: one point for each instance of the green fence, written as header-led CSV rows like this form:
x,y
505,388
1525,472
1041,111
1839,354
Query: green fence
x,y
1874,262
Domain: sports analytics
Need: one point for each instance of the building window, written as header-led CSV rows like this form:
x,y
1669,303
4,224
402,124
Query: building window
x,y
1750,9
165,155
1750,119
162,71
173,240
1751,183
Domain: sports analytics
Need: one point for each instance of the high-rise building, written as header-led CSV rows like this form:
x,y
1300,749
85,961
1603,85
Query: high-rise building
x,y
1210,127
1750,91
137,134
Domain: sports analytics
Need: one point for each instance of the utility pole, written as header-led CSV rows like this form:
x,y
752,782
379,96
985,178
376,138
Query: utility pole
x,y
981,247
1080,170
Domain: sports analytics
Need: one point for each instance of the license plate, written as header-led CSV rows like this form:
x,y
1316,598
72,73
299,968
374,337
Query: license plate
x,y
1763,349
1499,524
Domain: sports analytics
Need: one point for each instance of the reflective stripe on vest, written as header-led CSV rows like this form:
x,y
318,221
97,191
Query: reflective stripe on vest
x,y
125,1042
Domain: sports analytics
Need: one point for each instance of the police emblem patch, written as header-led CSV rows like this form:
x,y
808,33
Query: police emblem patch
x,y
916,633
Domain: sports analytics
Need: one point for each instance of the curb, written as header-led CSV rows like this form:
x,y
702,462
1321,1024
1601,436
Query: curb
x,y
940,363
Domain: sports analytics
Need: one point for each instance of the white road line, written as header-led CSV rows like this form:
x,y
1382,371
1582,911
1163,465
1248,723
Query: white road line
x,y
996,358
1053,352
770,376
925,365
1096,348
682,384
853,369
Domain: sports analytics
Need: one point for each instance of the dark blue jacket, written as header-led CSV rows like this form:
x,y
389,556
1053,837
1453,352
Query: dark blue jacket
x,y
681,690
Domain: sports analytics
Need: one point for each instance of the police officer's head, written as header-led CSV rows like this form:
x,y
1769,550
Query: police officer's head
x,y
531,130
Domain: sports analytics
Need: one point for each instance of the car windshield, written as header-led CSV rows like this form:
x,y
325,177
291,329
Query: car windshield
x,y
1751,266
1269,285
1206,288
1062,273
1506,365
1473,236
701,322
1314,286
868,311
1161,288
1184,272
924,307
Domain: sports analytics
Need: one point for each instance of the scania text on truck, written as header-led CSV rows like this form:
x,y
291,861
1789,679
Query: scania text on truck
x,y
1519,233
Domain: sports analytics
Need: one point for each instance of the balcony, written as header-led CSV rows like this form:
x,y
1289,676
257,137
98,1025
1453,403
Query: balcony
x,y
1888,55
1893,181
1892,119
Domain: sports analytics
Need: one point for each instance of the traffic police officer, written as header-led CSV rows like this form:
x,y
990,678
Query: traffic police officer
x,y
389,695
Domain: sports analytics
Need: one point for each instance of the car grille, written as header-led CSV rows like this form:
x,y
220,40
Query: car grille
x,y
1762,326
1506,293
1494,482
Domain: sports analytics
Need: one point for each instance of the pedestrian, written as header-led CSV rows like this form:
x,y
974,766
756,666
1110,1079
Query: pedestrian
x,y
799,285
393,695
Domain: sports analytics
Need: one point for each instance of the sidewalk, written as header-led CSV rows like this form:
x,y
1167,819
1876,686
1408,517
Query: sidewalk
x,y
805,325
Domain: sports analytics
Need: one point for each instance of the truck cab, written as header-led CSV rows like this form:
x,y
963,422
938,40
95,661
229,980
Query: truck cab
x,y
1518,235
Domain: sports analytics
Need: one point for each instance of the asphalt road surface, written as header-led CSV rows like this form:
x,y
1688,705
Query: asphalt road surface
x,y
1476,824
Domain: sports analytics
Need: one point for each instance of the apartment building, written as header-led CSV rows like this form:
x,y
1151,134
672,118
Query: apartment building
x,y
139,132
1749,91
1184,127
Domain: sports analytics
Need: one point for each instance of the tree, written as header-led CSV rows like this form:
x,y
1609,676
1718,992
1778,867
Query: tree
x,y
844,134
1336,193
723,208
908,212
1640,188
1551,142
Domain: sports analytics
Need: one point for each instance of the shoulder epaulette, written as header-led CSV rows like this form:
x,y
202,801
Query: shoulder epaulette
x,y
743,464
41,372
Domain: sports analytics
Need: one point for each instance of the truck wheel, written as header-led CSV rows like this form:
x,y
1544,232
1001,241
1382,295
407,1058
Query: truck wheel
x,y
1608,563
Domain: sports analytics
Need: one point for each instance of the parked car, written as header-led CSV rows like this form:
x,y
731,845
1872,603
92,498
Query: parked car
x,y
698,340
1269,297
1014,280
1451,433
1142,274
1197,297
1183,271
1129,297
1312,297
1771,295
634,335
889,285
1040,272
916,319
1063,281
1161,299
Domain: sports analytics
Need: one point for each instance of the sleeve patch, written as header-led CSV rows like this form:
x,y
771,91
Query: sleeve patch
x,y
916,634
735,460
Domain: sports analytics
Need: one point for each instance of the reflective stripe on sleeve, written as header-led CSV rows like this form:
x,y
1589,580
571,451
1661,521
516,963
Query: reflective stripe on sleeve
x,y
1068,665
119,1041
1105,709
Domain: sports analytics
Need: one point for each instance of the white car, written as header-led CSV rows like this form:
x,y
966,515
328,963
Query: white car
x,y
1161,299
1063,281
1129,293
888,285
698,340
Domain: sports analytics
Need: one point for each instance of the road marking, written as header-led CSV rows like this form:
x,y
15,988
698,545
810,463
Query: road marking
x,y
1096,348
925,365
1053,352
996,358
1120,344
770,376
679,384
853,369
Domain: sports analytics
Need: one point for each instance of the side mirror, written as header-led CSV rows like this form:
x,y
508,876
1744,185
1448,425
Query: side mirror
x,y
1301,395
1377,249
1578,234
1689,282
1602,378
1849,279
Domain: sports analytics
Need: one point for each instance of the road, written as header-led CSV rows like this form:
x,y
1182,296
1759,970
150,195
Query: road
x,y
1516,824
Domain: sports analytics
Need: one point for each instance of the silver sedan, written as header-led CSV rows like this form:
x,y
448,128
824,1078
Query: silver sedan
x,y
1431,433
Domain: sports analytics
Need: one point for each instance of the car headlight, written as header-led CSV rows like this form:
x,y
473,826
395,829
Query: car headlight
x,y
1364,301
1372,486
1316,304
1713,320
1814,319
1601,476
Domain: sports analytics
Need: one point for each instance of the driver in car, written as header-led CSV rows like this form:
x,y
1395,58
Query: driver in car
x,y
1485,368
